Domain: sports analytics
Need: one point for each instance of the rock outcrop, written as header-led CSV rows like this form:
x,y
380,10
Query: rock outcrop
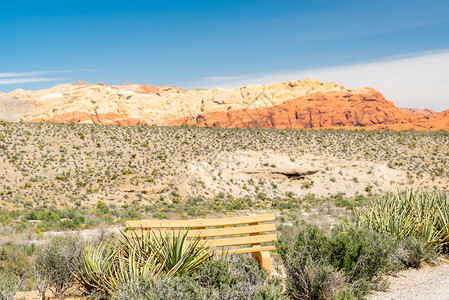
x,y
298,104
12,110
421,111
313,111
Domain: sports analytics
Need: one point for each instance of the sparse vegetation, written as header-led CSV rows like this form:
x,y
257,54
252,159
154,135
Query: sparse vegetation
x,y
104,162
347,264
60,177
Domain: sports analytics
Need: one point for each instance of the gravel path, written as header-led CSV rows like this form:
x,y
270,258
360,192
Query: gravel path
x,y
425,283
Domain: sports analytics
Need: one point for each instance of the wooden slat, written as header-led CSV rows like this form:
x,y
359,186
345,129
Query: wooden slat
x,y
249,250
146,224
228,242
253,230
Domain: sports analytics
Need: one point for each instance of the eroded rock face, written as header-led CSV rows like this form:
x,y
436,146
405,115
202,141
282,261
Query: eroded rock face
x,y
11,110
421,111
298,104
332,110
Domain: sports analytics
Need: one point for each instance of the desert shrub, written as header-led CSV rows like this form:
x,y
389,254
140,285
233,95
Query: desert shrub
x,y
56,219
55,263
170,288
411,252
232,277
305,253
8,289
238,277
16,266
361,253
348,263
314,280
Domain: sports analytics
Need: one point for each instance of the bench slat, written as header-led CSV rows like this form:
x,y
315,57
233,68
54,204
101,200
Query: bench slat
x,y
238,241
146,224
249,250
216,231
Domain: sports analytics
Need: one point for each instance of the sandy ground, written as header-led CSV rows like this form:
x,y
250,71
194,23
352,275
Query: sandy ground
x,y
34,295
425,283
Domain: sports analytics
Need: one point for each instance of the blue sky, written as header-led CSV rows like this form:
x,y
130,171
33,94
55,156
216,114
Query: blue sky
x,y
216,43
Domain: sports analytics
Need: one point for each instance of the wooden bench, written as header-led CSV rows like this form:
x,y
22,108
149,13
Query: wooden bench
x,y
221,233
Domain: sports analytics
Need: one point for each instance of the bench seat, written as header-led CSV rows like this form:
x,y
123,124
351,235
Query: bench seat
x,y
225,234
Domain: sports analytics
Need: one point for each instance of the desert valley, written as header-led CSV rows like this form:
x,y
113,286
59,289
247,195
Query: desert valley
x,y
224,150
85,157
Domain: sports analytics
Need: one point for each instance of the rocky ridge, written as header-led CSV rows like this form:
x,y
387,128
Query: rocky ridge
x,y
297,104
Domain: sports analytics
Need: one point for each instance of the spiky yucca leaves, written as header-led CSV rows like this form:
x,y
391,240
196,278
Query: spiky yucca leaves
x,y
127,258
174,252
421,215
178,254
97,268
105,267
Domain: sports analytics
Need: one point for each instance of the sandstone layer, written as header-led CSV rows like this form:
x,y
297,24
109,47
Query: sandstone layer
x,y
298,104
12,110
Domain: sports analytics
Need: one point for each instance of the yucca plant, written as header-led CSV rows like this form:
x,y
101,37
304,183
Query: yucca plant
x,y
178,254
421,215
96,272
127,258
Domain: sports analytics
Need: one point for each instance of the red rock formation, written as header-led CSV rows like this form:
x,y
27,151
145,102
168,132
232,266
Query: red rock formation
x,y
298,104
321,111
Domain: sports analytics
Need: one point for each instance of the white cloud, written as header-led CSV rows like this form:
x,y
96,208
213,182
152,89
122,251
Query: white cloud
x,y
411,80
27,80
30,77
39,73
26,74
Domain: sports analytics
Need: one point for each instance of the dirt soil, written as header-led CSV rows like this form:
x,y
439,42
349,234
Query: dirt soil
x,y
425,283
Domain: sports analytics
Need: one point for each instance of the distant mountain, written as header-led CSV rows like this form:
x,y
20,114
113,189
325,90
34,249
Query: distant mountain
x,y
421,111
12,110
298,104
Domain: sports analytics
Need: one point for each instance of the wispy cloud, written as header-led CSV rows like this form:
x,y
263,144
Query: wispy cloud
x,y
30,77
24,74
28,80
410,80
40,73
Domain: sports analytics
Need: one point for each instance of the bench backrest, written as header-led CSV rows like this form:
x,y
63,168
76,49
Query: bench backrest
x,y
226,232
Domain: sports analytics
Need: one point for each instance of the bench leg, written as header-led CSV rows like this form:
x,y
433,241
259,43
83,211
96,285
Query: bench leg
x,y
264,260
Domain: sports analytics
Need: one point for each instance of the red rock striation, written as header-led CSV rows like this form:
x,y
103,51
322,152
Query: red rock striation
x,y
332,110
298,104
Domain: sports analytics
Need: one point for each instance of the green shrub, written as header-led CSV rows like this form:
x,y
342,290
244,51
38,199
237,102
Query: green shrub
x,y
8,289
238,277
16,266
361,253
232,277
305,253
55,262
349,263
169,288
411,252
307,240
